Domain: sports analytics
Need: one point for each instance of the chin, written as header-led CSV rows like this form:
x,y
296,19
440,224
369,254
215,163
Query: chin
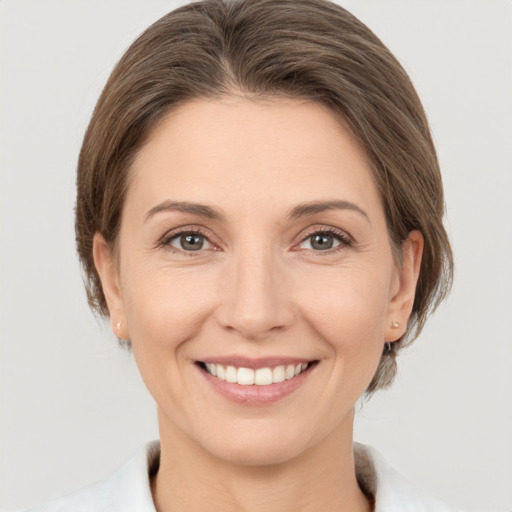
x,y
259,454
261,445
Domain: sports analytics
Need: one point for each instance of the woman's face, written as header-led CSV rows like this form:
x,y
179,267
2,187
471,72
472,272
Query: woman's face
x,y
253,237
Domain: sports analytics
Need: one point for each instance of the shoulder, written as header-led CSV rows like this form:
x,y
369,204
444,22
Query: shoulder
x,y
392,492
127,490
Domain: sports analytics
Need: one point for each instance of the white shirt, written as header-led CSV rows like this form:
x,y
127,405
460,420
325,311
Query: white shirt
x,y
129,489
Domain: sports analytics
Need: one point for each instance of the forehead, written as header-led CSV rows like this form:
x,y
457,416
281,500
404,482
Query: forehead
x,y
237,149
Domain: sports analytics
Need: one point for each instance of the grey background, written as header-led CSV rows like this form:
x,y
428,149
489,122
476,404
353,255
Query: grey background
x,y
72,405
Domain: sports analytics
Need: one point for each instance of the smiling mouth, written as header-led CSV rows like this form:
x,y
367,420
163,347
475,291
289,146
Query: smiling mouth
x,y
255,377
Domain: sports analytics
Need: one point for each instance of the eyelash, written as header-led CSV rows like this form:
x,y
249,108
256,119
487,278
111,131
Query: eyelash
x,y
165,242
344,239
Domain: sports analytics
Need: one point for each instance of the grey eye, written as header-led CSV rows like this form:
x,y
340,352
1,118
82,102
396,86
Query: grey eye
x,y
190,242
322,241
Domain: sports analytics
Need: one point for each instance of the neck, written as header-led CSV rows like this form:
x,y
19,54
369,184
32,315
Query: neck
x,y
193,480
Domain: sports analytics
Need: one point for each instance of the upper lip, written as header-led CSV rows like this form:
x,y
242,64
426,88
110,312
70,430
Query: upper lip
x,y
254,363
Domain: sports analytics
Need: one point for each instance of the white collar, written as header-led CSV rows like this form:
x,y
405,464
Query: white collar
x,y
391,491
129,489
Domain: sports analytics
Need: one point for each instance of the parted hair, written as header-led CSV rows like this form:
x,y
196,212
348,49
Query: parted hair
x,y
307,49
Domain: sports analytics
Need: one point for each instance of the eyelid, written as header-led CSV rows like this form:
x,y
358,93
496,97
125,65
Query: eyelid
x,y
165,240
345,239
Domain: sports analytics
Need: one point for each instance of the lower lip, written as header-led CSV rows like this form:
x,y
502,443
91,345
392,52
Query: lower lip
x,y
256,395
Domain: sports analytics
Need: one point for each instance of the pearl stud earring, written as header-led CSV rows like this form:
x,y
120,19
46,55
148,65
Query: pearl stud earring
x,y
395,324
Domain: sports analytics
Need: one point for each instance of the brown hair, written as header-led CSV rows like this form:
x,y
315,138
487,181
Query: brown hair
x,y
295,48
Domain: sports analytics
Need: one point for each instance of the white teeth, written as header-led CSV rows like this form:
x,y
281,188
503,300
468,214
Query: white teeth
x,y
263,376
259,377
231,374
245,376
221,372
278,374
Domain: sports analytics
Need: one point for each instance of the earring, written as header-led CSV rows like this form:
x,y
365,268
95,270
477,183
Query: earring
x,y
395,324
118,327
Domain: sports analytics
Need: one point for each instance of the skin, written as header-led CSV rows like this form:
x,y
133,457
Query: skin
x,y
257,288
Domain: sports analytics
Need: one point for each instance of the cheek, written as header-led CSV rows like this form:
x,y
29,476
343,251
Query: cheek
x,y
348,314
164,309
347,307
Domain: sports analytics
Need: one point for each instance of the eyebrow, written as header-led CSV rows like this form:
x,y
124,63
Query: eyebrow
x,y
186,207
301,210
311,208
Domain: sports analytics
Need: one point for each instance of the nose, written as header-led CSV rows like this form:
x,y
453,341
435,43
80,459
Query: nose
x,y
255,301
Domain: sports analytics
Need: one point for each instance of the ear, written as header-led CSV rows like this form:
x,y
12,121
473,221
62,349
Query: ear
x,y
401,303
108,271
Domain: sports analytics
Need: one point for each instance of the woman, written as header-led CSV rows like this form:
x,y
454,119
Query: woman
x,y
259,215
